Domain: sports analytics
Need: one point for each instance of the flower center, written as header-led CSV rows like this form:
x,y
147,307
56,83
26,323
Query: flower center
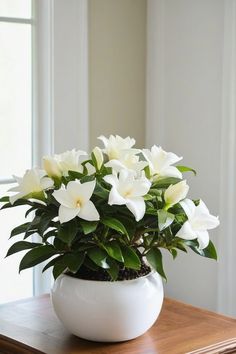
x,y
128,193
79,203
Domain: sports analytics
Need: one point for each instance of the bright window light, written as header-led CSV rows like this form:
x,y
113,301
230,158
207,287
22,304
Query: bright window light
x,y
15,8
15,133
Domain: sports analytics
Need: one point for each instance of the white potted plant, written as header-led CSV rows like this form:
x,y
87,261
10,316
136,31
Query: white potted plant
x,y
102,221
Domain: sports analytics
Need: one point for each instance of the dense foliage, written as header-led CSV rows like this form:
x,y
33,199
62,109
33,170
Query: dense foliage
x,y
108,210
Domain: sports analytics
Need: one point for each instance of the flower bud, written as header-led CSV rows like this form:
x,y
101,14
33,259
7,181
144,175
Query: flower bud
x,y
175,193
98,156
51,166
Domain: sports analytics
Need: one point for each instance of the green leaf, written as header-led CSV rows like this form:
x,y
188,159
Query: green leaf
x,y
51,233
165,182
52,262
4,200
186,169
114,251
99,257
67,232
100,191
75,174
154,258
45,222
21,246
58,269
173,252
208,252
90,264
74,261
29,211
115,224
165,219
113,271
131,260
20,229
59,244
88,226
36,255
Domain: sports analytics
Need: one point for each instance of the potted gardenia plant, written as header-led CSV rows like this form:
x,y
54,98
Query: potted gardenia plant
x,y
102,221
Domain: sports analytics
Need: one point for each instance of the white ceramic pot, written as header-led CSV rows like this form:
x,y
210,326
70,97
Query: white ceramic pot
x,y
106,311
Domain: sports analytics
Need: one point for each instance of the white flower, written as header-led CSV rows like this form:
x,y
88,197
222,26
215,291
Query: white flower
x,y
31,185
52,166
175,193
199,221
128,160
115,144
71,161
75,201
98,156
160,162
126,190
60,164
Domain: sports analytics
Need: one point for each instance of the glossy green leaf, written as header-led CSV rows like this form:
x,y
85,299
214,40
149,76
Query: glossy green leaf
x,y
44,223
165,219
154,258
174,252
208,252
36,255
88,226
115,225
165,182
186,169
74,261
67,232
52,262
20,229
113,269
114,251
21,246
131,260
99,257
100,191
58,269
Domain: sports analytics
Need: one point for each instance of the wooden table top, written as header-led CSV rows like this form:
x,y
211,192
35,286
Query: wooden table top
x,y
30,326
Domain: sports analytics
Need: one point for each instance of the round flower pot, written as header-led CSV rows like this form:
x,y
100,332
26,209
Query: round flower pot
x,y
107,311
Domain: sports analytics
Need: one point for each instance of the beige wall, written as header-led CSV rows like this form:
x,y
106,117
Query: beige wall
x,y
117,56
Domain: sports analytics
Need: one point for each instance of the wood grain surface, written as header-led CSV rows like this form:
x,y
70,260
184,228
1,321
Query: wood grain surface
x,y
30,326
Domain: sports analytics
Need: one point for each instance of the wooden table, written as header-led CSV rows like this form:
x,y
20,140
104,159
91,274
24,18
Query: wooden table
x,y
30,326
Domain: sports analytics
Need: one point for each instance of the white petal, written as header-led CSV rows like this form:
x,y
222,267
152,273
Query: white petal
x,y
115,197
170,171
67,214
115,164
46,183
186,232
112,180
63,197
176,192
189,207
141,187
15,197
104,140
203,239
137,207
203,222
79,190
89,212
14,189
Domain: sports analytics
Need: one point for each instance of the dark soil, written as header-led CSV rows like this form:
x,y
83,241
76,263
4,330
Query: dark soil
x,y
102,275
